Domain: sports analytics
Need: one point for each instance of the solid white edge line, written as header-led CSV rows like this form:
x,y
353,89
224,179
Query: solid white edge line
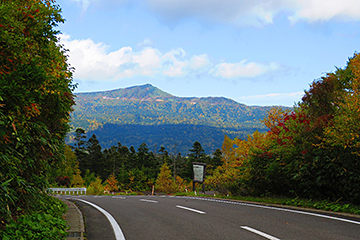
x,y
282,209
265,235
117,230
190,209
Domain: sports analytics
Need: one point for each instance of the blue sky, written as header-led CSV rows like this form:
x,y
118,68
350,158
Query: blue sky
x,y
256,52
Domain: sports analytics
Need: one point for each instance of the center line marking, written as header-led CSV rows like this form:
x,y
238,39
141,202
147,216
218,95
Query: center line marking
x,y
147,200
119,197
265,235
190,209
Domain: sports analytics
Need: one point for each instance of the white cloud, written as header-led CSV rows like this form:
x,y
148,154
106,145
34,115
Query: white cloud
x,y
199,62
260,11
84,4
243,69
257,12
272,98
324,10
146,43
94,61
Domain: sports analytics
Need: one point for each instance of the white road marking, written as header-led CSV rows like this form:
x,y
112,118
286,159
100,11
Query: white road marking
x,y
276,208
117,230
118,197
265,235
147,200
190,209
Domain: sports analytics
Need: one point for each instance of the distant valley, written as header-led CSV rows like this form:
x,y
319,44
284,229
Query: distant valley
x,y
147,114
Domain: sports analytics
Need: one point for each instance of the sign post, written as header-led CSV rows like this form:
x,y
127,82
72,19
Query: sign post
x,y
199,174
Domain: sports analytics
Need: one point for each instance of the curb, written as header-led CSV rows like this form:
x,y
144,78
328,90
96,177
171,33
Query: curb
x,y
75,221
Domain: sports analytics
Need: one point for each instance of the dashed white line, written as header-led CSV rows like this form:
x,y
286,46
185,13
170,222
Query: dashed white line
x,y
147,200
117,230
265,235
191,209
118,197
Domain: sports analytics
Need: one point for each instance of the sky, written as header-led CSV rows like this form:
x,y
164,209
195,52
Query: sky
x,y
256,52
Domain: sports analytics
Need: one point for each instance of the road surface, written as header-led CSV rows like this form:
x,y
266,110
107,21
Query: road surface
x,y
170,217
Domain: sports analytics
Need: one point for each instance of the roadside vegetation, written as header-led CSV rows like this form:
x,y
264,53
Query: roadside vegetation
x,y
35,104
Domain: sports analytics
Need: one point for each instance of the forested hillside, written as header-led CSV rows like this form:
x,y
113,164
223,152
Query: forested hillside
x,y
175,138
159,118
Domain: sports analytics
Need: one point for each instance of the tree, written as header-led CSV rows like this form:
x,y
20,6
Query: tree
x,y
112,184
35,102
96,187
80,136
164,181
345,128
95,160
197,152
69,165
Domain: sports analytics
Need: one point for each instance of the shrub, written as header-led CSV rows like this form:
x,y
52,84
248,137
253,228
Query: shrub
x,y
96,187
44,223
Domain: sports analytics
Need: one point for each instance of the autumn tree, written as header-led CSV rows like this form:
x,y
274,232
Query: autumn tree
x,y
164,181
112,184
310,151
345,128
35,102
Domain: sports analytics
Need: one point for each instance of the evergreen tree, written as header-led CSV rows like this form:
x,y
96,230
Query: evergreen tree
x,y
95,161
197,152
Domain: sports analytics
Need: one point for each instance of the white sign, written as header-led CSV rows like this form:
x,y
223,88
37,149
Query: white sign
x,y
199,171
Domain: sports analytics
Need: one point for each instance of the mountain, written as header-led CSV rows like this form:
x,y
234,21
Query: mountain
x,y
147,114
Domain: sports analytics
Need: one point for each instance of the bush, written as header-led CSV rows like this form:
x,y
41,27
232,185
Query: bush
x,y
63,181
96,187
45,223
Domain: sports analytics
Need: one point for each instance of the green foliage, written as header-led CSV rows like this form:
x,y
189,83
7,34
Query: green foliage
x,y
311,152
35,102
89,177
46,222
96,187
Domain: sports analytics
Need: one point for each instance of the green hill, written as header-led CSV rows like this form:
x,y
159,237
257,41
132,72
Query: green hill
x,y
149,111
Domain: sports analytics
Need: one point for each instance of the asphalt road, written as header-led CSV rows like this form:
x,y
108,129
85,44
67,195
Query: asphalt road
x,y
168,217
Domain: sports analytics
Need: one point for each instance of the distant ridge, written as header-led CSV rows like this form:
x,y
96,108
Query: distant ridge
x,y
146,105
146,91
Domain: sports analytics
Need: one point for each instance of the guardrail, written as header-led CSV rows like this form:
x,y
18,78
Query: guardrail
x,y
77,191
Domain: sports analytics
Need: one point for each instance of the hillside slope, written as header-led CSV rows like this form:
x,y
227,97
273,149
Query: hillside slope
x,y
150,108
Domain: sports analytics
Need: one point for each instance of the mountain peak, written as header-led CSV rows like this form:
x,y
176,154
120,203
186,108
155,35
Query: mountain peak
x,y
146,91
